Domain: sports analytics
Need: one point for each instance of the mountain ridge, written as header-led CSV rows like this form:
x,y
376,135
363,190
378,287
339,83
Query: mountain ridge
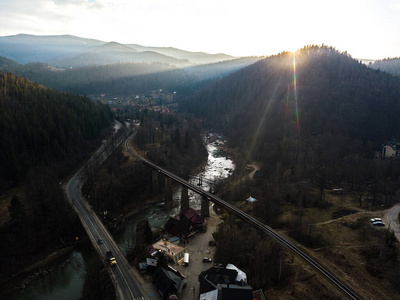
x,y
332,101
26,48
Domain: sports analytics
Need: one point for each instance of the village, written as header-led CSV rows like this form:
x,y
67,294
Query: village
x,y
157,100
192,273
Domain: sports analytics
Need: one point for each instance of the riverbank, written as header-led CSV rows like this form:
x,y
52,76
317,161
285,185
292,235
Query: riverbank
x,y
79,271
40,268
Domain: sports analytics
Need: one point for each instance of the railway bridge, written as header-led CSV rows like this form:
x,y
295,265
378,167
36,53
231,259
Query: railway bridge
x,y
207,196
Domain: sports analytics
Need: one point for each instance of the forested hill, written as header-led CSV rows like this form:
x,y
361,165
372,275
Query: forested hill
x,y
116,79
43,127
123,79
390,65
326,108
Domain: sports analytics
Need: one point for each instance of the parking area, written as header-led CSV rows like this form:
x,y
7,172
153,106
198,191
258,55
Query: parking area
x,y
198,248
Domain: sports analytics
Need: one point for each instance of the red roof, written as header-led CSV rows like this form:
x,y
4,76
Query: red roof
x,y
192,215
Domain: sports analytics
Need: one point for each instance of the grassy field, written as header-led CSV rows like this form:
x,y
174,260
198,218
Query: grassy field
x,y
348,245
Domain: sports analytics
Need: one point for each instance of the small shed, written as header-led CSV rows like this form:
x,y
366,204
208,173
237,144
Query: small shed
x,y
251,199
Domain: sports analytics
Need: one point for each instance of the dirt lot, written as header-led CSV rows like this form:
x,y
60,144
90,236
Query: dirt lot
x,y
198,248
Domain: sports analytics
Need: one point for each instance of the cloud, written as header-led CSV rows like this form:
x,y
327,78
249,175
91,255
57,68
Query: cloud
x,y
240,28
79,3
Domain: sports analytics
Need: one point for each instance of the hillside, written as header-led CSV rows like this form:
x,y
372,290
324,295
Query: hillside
x,y
45,135
390,65
123,78
327,109
25,48
43,127
112,53
116,79
220,69
194,57
72,51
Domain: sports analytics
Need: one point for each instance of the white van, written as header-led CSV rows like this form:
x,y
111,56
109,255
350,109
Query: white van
x,y
186,259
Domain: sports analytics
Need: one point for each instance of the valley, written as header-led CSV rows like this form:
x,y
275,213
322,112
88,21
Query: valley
x,y
310,137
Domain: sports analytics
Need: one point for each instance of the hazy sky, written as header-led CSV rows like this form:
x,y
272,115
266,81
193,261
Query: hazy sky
x,y
363,28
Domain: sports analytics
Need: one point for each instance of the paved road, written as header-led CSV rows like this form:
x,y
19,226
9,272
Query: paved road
x,y
128,285
392,221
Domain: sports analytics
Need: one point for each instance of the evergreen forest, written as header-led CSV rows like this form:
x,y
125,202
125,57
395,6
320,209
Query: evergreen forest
x,y
389,65
45,135
41,126
126,79
317,109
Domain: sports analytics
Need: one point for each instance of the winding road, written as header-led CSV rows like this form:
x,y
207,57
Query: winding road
x,y
127,284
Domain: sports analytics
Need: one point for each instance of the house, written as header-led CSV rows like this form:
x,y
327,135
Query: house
x,y
168,283
181,228
220,283
198,222
390,149
174,252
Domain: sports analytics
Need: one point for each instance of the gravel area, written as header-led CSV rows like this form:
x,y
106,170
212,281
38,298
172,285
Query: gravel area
x,y
198,248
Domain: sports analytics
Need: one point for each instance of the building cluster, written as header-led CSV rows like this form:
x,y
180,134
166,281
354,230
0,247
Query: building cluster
x,y
216,283
158,101
185,225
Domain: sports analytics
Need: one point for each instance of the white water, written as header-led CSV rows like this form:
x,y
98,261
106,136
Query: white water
x,y
218,167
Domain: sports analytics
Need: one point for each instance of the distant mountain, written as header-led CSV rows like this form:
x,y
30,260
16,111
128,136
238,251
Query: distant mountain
x,y
221,69
333,107
67,50
113,52
25,48
390,65
194,57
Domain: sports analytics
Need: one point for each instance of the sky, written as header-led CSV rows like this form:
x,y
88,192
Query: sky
x,y
366,29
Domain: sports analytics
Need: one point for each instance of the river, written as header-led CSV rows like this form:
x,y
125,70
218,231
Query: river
x,y
66,280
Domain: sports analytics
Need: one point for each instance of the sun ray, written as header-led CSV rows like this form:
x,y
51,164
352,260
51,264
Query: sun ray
x,y
295,92
262,120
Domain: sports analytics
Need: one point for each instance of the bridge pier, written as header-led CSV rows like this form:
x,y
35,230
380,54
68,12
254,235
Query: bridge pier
x,y
205,207
168,192
184,198
154,179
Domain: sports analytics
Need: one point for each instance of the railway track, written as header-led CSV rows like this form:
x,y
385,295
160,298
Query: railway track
x,y
254,222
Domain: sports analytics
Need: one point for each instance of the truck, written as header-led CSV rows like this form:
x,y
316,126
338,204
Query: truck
x,y
186,259
111,258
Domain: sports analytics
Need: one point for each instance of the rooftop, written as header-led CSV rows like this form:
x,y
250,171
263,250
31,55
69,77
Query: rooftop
x,y
167,247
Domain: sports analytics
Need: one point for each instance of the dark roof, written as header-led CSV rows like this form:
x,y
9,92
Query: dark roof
x,y
224,280
178,227
166,281
234,292
220,275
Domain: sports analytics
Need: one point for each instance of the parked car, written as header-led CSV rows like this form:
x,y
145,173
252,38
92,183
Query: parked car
x,y
207,259
378,223
376,220
211,243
